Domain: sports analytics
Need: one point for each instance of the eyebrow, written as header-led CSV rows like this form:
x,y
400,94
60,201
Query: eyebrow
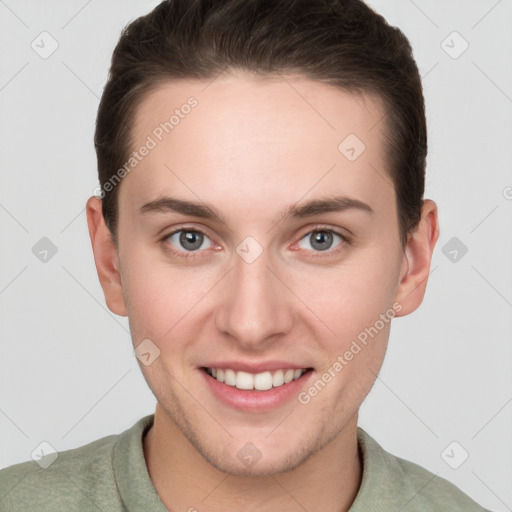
x,y
296,211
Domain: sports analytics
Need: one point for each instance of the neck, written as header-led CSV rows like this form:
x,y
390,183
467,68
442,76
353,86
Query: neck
x,y
328,481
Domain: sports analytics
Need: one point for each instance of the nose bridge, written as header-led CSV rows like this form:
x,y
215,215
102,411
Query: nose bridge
x,y
255,307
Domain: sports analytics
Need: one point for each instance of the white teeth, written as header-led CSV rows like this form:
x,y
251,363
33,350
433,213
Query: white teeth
x,y
260,381
263,381
278,378
244,380
288,376
230,377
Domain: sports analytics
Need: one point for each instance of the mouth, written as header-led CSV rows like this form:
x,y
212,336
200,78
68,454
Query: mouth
x,y
262,381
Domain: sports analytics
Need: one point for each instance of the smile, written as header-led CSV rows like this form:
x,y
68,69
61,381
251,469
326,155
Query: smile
x,y
260,381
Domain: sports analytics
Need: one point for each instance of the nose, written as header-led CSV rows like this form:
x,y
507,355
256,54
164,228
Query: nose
x,y
255,309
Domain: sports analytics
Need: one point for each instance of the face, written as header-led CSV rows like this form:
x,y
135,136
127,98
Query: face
x,y
288,264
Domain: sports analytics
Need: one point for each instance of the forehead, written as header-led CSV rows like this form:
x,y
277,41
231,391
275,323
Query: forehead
x,y
256,136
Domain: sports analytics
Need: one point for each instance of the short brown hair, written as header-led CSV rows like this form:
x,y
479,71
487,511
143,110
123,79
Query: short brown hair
x,y
340,42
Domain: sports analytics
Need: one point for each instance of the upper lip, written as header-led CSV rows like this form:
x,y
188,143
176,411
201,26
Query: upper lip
x,y
263,366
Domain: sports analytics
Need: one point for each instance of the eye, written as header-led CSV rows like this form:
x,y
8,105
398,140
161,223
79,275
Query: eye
x,y
321,240
187,240
188,243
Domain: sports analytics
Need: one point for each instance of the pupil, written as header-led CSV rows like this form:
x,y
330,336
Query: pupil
x,y
191,237
321,236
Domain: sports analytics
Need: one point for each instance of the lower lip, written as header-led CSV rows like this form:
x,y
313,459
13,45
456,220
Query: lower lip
x,y
256,401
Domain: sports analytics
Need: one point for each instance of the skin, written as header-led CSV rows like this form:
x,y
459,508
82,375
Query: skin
x,y
252,147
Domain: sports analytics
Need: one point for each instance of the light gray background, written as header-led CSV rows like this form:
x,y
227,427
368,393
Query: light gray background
x,y
67,370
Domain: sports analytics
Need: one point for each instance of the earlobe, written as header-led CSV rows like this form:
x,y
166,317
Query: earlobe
x,y
417,257
105,257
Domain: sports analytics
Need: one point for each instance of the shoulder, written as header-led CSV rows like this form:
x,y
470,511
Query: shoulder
x,y
435,491
79,479
405,484
48,484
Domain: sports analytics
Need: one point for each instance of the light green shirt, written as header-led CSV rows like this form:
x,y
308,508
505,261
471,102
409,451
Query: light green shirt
x,y
111,475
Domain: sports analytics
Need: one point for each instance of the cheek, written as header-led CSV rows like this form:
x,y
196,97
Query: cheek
x,y
353,296
162,298
357,305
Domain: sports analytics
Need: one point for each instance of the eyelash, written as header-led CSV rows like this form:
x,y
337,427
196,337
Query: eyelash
x,y
195,254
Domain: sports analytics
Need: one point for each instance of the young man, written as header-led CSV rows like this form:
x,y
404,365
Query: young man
x,y
261,212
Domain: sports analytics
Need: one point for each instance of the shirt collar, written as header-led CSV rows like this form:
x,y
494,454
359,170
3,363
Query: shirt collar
x,y
384,485
131,473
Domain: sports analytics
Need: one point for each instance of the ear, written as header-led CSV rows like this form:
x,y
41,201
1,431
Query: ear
x,y
417,256
105,257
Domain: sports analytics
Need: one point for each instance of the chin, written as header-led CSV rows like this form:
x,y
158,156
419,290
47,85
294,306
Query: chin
x,y
261,459
235,464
